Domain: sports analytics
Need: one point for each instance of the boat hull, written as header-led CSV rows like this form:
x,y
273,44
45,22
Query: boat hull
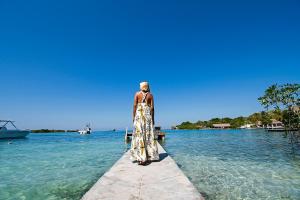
x,y
84,132
13,134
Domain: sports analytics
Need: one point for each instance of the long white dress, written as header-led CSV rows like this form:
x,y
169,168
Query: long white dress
x,y
143,144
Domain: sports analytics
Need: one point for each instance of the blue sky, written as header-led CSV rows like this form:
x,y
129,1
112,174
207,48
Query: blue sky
x,y
65,63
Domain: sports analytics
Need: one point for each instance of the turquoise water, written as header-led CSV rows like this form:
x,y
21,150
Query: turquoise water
x,y
237,164
222,164
56,166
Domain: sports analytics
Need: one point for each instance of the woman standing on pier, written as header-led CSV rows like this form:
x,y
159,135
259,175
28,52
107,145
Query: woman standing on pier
x,y
143,145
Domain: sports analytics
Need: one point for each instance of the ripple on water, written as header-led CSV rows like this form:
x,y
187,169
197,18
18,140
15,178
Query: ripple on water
x,y
222,164
56,166
228,164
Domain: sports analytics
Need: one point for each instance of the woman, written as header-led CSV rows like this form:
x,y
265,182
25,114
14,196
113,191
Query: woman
x,y
143,145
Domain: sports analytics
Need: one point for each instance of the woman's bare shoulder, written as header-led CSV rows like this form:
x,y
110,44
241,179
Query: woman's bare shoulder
x,y
150,95
137,93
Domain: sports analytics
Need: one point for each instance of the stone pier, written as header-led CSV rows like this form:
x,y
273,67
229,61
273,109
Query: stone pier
x,y
159,180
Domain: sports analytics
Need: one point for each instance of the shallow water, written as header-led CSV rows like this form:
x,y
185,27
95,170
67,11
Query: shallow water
x,y
237,164
222,164
57,165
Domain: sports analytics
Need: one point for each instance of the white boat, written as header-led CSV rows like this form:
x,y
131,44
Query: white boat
x,y
248,126
87,130
15,133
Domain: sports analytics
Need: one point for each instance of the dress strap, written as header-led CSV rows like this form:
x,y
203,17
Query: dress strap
x,y
144,97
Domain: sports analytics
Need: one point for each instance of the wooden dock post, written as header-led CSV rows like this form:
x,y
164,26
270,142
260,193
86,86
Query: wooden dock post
x,y
157,132
159,135
128,136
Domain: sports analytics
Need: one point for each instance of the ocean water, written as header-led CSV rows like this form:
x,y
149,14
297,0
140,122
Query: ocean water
x,y
56,166
222,164
237,164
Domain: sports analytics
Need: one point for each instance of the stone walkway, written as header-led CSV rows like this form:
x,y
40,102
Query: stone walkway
x,y
160,180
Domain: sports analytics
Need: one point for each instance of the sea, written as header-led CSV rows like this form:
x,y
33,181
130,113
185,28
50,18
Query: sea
x,y
222,164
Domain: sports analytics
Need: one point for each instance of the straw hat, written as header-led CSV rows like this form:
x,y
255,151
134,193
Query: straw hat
x,y
144,86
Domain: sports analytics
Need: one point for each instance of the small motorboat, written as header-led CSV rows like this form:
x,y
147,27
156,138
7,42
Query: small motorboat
x,y
87,130
14,133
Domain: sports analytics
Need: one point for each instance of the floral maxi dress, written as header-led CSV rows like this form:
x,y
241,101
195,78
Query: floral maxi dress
x,y
143,144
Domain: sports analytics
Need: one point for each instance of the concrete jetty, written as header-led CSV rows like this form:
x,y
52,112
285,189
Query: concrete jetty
x,y
129,181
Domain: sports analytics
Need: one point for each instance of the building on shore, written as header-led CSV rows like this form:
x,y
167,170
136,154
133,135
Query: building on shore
x,y
200,127
221,126
275,124
259,124
295,109
248,126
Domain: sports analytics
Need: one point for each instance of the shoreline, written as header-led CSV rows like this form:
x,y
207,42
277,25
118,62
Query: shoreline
x,y
53,131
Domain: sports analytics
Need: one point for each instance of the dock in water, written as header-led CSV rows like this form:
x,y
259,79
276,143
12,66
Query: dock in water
x,y
129,181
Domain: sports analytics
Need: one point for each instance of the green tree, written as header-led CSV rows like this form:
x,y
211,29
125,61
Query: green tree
x,y
254,118
226,120
276,114
284,99
238,122
281,96
265,118
215,120
187,125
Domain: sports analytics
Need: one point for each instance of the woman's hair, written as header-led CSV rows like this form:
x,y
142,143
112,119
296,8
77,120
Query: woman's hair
x,y
144,86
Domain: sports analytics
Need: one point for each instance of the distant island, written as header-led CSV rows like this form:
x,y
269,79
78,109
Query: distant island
x,y
256,120
283,99
52,131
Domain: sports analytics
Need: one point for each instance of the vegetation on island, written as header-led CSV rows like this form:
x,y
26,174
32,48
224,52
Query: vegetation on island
x,y
281,102
285,100
52,131
261,117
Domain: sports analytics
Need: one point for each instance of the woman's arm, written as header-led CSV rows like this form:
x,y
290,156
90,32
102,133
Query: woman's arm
x,y
134,106
152,109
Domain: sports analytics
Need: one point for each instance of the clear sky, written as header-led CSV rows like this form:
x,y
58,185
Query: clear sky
x,y
65,63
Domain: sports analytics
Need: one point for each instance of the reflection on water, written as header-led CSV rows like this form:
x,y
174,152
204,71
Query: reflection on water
x,y
237,164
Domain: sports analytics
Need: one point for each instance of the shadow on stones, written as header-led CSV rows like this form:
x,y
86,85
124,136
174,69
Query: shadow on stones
x,y
162,156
